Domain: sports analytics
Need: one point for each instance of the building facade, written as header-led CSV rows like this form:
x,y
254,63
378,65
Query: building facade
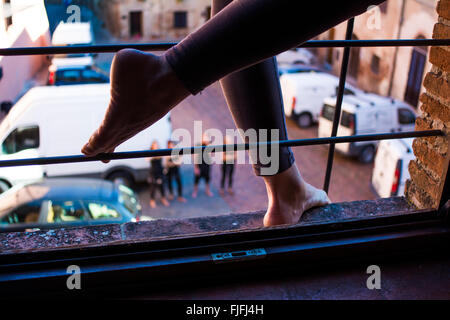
x,y
389,71
154,19
23,23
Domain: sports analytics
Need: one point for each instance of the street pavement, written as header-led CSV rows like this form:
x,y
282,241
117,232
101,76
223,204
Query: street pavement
x,y
350,179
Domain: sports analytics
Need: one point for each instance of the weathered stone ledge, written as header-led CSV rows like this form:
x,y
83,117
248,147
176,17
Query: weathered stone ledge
x,y
104,235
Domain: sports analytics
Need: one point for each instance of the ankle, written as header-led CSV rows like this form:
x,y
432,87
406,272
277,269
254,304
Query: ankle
x,y
287,185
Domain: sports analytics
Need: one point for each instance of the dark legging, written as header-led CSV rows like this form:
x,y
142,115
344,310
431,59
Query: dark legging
x,y
174,174
227,171
156,183
248,33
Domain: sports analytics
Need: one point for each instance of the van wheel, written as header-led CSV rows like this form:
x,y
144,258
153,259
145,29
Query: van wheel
x,y
121,177
4,186
367,154
304,120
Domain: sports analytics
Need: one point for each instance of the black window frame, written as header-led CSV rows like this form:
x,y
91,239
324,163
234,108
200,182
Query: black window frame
x,y
180,258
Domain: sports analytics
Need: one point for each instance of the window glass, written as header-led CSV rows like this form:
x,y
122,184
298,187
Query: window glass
x,y
102,211
68,76
21,139
128,199
180,19
91,76
27,213
328,112
405,116
65,211
348,119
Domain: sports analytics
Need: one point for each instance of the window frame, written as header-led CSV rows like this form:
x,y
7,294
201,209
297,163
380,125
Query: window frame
x,y
167,259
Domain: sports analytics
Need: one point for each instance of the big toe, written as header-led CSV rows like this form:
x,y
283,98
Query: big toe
x,y
317,199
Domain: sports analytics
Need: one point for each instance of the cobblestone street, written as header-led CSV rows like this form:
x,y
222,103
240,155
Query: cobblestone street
x,y
350,179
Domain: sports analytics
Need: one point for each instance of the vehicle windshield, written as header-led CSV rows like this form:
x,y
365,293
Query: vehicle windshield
x,y
72,55
129,200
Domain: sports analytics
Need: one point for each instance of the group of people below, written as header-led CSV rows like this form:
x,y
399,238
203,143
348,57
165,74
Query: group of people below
x,y
166,170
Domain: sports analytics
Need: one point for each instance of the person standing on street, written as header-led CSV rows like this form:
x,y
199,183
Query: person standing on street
x,y
228,162
172,171
156,178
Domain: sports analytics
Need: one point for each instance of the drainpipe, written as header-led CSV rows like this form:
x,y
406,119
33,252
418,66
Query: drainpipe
x,y
394,64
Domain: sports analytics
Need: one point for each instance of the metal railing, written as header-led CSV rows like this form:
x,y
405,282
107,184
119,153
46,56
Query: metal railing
x,y
346,44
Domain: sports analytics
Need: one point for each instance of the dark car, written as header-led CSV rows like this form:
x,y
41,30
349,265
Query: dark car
x,y
68,75
57,203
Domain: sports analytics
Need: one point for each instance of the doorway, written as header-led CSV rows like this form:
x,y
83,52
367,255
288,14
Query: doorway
x,y
415,75
136,24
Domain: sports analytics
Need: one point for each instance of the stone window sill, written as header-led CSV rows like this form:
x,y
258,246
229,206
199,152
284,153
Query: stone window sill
x,y
109,235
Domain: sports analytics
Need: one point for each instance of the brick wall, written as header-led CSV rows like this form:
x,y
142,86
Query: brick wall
x,y
429,169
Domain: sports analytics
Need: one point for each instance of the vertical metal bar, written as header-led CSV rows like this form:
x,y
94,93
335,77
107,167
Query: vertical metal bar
x,y
340,94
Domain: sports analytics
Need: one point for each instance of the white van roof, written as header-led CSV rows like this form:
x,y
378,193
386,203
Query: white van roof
x,y
351,103
314,78
399,146
46,93
310,77
72,34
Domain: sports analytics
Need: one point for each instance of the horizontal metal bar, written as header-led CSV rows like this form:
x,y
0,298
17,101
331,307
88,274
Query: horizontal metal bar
x,y
217,148
162,46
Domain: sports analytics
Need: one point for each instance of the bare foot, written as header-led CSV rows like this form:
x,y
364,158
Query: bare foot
x,y
181,199
221,192
208,192
194,193
152,204
170,197
230,191
290,196
143,89
165,202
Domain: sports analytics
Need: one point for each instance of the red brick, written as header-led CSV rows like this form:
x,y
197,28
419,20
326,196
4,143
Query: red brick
x,y
440,58
441,31
443,9
423,181
429,157
423,124
438,86
436,109
419,198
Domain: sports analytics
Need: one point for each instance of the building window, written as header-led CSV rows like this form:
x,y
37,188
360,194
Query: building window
x,y
136,23
180,19
375,64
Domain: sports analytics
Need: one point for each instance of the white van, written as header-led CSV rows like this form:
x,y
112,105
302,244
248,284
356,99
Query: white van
x,y
367,114
391,167
58,121
70,34
303,94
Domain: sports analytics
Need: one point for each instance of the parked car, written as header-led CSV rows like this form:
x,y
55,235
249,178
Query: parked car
x,y
391,167
303,94
57,121
296,68
58,203
69,75
368,114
